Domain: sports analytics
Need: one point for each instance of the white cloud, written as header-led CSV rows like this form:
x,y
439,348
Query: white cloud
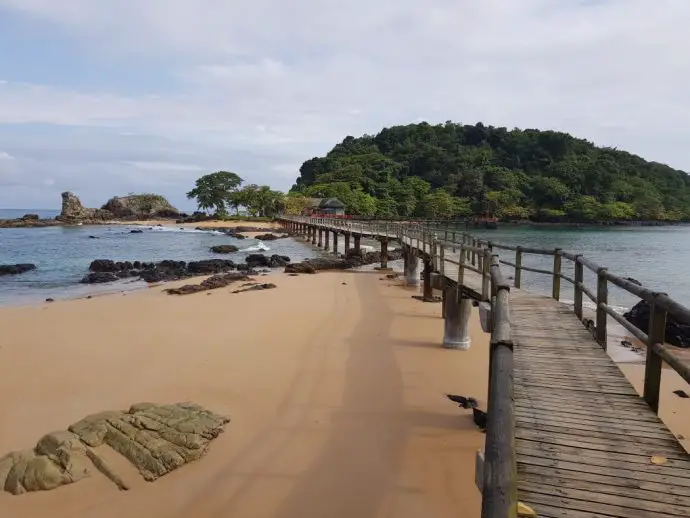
x,y
262,84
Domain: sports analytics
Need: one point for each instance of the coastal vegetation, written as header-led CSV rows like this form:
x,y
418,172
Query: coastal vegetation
x,y
452,170
221,191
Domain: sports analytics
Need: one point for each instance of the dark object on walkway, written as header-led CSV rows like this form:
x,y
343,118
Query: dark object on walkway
x,y
626,343
16,269
634,281
462,401
677,333
479,417
681,394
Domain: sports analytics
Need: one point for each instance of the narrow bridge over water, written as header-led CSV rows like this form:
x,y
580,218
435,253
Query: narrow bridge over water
x,y
567,434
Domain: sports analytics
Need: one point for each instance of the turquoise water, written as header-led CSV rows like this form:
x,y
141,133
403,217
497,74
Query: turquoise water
x,y
63,254
658,257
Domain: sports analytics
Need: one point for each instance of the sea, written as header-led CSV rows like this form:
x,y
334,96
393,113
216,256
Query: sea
x,y
63,254
658,257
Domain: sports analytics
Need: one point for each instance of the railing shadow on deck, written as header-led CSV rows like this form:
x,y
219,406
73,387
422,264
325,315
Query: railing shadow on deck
x,y
499,491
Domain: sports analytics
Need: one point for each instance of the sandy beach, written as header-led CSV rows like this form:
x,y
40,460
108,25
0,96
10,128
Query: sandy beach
x,y
334,384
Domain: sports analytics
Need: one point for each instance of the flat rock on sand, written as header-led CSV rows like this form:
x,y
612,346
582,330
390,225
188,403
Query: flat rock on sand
x,y
156,439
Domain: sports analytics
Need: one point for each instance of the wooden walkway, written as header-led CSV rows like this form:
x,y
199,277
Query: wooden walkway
x,y
584,438
586,444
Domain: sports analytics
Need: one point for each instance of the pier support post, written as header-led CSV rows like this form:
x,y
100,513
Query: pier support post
x,y
347,243
313,235
412,270
320,243
427,291
335,243
457,313
384,254
358,239
328,240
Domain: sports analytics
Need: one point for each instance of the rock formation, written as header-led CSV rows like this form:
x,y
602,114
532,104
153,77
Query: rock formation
x,y
140,206
135,206
224,249
677,332
16,269
156,439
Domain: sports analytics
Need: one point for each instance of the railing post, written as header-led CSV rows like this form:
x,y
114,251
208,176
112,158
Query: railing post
x,y
474,254
442,260
602,301
556,287
486,274
579,280
461,266
652,371
518,266
453,237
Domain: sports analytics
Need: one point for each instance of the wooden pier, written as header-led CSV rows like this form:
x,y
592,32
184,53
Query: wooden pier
x,y
567,434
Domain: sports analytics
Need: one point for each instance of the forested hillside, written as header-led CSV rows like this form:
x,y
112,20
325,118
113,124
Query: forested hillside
x,y
453,170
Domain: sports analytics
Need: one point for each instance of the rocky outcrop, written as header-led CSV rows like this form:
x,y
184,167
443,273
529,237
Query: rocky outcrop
x,y
352,260
106,270
74,212
212,283
140,206
135,206
261,260
257,287
156,439
16,269
224,249
268,237
677,333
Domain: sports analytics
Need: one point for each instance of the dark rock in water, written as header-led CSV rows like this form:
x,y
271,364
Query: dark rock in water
x,y
212,283
677,333
224,249
103,265
266,286
99,278
209,266
30,217
277,261
266,237
94,237
254,260
136,231
16,269
50,300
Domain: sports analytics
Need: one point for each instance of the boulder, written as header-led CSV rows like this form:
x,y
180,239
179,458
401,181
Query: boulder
x,y
677,333
212,283
257,260
224,249
303,267
99,278
209,266
255,287
103,265
136,231
30,217
140,206
277,261
16,269
72,209
266,237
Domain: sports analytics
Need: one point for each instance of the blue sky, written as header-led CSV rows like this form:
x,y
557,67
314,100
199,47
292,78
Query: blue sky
x,y
106,97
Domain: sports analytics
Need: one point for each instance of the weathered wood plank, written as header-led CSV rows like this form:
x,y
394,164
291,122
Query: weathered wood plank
x,y
635,500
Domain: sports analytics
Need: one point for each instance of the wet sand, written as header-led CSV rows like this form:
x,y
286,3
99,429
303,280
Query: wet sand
x,y
334,384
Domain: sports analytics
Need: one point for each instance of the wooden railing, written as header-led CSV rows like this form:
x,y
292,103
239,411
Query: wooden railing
x,y
499,493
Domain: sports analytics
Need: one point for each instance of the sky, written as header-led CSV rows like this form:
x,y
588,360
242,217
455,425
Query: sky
x,y
107,97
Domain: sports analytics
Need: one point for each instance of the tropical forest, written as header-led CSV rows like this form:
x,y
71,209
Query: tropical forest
x,y
452,170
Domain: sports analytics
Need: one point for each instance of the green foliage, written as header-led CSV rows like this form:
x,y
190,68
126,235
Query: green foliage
x,y
421,170
213,191
259,200
295,203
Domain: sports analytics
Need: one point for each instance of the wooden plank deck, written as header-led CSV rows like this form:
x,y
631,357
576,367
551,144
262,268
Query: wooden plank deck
x,y
584,438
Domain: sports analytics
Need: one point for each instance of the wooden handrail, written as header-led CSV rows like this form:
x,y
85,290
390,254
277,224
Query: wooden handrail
x,y
477,255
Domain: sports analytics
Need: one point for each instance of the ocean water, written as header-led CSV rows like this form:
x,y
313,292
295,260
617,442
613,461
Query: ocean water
x,y
658,257
62,255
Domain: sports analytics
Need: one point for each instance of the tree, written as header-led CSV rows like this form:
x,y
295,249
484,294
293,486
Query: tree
x,y
213,191
295,203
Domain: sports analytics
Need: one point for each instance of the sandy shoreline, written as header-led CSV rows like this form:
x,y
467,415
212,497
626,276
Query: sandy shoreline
x,y
334,384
